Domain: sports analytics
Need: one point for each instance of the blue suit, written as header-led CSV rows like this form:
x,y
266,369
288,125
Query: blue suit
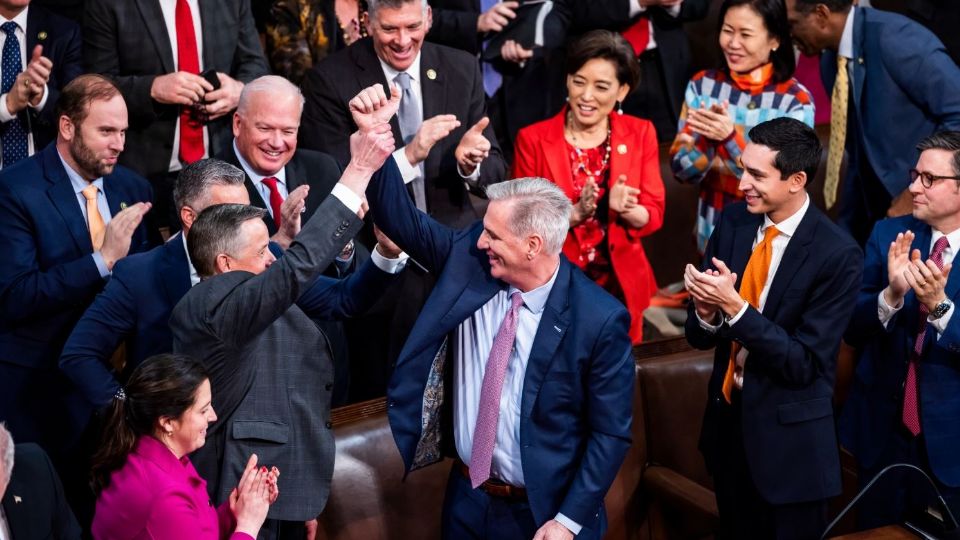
x,y
904,87
47,278
786,414
576,406
871,422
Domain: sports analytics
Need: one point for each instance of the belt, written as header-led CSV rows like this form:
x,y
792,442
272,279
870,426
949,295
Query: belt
x,y
495,488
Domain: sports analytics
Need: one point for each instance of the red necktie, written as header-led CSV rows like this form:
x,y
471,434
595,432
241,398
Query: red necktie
x,y
275,199
191,130
638,35
911,408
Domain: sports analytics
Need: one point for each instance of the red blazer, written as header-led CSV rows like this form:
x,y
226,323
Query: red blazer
x,y
541,151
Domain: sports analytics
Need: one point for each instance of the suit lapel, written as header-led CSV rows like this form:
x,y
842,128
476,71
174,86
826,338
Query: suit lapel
x,y
65,199
558,164
744,235
369,72
553,326
36,23
174,269
432,89
859,67
153,20
117,198
13,508
793,257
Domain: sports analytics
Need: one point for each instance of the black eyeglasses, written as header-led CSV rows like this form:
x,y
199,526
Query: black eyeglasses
x,y
928,179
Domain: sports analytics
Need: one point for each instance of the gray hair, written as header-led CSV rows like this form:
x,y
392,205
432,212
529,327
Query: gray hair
x,y
216,231
374,5
6,455
538,207
193,184
274,85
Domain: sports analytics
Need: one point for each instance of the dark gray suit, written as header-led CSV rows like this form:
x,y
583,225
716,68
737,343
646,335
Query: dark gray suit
x,y
127,40
269,364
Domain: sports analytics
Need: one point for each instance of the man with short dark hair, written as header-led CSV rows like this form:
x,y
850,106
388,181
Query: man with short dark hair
x,y
776,291
892,83
904,402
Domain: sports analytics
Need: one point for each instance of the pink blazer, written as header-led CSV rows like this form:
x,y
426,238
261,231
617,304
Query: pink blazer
x,y
156,496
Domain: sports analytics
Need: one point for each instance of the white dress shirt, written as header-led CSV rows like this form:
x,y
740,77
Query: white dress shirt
x,y
21,33
169,9
637,9
257,180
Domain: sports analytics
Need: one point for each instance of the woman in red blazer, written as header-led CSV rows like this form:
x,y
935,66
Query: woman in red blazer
x,y
608,164
146,486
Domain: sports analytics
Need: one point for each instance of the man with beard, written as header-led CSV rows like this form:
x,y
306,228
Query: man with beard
x,y
68,214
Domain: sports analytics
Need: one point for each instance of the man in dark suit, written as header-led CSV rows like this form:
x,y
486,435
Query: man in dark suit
x,y
32,498
776,292
517,320
897,92
904,400
442,122
250,324
68,214
134,307
176,116
49,46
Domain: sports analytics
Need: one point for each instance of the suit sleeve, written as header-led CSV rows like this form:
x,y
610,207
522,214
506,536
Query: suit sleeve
x,y
696,335
455,28
609,406
106,323
174,512
800,357
422,237
67,68
26,292
326,122
63,522
248,59
865,322
353,295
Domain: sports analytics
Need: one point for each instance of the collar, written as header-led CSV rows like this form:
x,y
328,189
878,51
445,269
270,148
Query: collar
x,y
194,276
788,227
78,182
846,39
391,74
153,450
953,238
281,175
20,19
536,299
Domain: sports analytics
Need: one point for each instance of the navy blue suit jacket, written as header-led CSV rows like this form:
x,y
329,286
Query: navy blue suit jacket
x,y
60,38
905,86
576,406
47,274
871,417
789,373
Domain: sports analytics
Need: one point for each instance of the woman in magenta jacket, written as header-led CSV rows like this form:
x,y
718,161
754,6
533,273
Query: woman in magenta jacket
x,y
608,164
146,486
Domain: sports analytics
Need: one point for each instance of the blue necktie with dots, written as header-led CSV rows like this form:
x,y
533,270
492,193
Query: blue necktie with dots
x,y
14,138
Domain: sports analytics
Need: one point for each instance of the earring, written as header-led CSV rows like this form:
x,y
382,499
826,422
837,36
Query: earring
x,y
567,99
530,256
619,107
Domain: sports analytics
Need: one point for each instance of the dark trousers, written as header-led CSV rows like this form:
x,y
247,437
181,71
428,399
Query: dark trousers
x,y
650,99
744,514
471,514
900,494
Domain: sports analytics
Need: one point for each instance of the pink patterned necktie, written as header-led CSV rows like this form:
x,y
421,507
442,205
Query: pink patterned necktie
x,y
911,409
485,432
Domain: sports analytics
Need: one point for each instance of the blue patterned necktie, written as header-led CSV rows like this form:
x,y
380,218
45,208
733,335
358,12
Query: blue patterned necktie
x,y
14,138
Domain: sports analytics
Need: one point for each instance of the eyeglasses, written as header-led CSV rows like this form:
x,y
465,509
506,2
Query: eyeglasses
x,y
928,179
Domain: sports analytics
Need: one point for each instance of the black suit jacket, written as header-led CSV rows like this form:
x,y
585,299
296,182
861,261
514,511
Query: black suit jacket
x,y
34,503
60,38
127,40
789,436
456,88
455,24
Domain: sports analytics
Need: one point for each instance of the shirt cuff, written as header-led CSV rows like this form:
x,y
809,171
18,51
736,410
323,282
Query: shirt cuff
x,y
5,115
349,199
940,325
407,171
674,10
885,312
390,266
568,523
636,8
43,100
712,328
101,264
472,177
733,320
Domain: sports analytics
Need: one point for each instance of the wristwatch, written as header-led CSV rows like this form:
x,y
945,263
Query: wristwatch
x,y
941,309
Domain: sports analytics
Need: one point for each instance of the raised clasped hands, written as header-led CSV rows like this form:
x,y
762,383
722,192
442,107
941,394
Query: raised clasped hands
x,y
474,147
371,107
291,211
28,88
586,205
713,290
251,499
712,122
906,270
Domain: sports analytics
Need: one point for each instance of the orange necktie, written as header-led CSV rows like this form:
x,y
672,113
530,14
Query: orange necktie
x,y
754,278
94,219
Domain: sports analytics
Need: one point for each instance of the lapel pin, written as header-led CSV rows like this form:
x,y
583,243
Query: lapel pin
x,y
860,60
431,74
621,149
123,205
42,35
557,328
17,499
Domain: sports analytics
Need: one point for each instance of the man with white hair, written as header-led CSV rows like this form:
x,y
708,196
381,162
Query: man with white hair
x,y
542,371
33,504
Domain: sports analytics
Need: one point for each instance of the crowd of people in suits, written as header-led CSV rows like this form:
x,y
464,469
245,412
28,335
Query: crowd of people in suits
x,y
223,219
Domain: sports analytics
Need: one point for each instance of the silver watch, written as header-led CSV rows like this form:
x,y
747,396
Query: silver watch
x,y
941,309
